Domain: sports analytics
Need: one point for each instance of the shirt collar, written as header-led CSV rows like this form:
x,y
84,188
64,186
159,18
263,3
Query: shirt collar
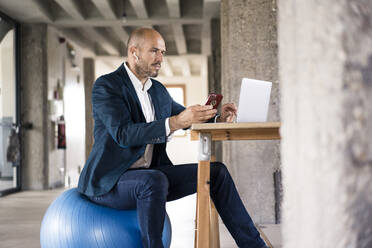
x,y
136,82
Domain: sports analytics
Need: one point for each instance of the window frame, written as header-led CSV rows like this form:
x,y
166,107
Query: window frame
x,y
181,133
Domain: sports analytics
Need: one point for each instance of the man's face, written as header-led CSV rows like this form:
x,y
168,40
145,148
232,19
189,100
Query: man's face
x,y
150,56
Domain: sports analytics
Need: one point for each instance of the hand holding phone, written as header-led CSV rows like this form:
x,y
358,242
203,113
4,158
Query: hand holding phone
x,y
214,100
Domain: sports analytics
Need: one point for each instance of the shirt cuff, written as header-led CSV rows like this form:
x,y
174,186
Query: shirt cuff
x,y
169,137
167,128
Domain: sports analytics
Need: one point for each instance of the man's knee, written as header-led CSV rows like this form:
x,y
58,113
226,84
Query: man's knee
x,y
219,176
156,182
218,169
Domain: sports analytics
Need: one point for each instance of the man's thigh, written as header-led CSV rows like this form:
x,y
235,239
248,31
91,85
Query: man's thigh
x,y
124,195
182,180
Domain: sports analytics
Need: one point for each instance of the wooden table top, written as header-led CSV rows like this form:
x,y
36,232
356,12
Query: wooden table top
x,y
237,131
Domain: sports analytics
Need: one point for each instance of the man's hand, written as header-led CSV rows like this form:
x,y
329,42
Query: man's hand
x,y
228,112
192,114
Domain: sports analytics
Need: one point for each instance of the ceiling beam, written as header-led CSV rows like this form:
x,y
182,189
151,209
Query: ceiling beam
x,y
206,39
103,41
44,9
77,38
174,8
104,8
211,8
71,8
121,33
126,22
186,70
179,36
167,68
107,12
140,8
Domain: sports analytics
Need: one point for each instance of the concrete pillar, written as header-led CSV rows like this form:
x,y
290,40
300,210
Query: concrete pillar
x,y
89,77
249,49
214,60
214,74
326,85
34,89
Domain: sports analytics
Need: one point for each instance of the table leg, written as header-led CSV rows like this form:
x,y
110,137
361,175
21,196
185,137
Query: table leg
x,y
264,237
202,237
203,206
196,220
214,234
214,231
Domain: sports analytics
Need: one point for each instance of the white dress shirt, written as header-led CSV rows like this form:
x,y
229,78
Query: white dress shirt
x,y
148,112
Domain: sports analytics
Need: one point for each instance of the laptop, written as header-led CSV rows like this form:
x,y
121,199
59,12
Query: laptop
x,y
254,100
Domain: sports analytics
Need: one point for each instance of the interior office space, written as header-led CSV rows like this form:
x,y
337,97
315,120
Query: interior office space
x,y
317,54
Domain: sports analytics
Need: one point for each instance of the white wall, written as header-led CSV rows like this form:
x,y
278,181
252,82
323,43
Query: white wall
x,y
7,76
55,73
73,108
102,67
7,99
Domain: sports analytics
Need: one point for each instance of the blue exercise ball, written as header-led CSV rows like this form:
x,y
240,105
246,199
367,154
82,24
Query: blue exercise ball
x,y
72,221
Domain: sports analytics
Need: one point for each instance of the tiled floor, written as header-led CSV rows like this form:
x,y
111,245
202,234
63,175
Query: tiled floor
x,y
21,215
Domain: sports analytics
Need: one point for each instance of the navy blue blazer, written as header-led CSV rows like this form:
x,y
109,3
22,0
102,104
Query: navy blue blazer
x,y
121,132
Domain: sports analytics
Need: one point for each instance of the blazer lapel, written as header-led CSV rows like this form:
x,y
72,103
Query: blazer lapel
x,y
155,101
128,83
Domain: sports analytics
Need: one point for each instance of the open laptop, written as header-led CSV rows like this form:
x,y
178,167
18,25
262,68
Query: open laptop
x,y
254,100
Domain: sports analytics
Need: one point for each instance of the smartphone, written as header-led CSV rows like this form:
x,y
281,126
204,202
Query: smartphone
x,y
214,99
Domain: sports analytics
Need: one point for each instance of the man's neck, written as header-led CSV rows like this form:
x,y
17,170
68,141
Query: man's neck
x,y
140,78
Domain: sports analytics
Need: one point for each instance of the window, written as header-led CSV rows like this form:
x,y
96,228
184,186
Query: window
x,y
178,93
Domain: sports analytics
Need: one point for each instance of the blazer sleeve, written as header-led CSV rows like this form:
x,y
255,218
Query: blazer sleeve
x,y
176,108
114,112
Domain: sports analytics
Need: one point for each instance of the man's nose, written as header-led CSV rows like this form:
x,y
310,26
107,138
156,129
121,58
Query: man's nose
x,y
159,56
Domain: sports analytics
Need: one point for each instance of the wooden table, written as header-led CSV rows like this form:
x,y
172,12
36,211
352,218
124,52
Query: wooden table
x,y
206,232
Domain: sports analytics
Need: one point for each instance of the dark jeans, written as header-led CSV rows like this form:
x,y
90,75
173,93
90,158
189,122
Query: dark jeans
x,y
147,190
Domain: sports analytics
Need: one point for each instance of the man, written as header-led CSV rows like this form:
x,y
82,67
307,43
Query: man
x,y
128,167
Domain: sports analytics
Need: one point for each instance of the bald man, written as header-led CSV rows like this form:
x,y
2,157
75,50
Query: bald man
x,y
128,167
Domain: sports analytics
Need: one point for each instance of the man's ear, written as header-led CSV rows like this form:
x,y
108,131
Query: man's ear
x,y
133,51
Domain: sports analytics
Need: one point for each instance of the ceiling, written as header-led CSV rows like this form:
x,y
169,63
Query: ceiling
x,y
103,26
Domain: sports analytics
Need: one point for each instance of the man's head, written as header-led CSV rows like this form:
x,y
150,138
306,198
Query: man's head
x,y
146,48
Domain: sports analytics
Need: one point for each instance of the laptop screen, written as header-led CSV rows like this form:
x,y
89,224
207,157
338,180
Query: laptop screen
x,y
254,100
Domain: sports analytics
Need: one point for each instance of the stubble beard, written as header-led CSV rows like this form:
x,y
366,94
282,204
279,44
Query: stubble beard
x,y
144,70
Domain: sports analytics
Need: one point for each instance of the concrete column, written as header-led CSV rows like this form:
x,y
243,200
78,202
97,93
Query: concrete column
x,y
214,60
34,89
89,77
214,74
249,49
326,76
